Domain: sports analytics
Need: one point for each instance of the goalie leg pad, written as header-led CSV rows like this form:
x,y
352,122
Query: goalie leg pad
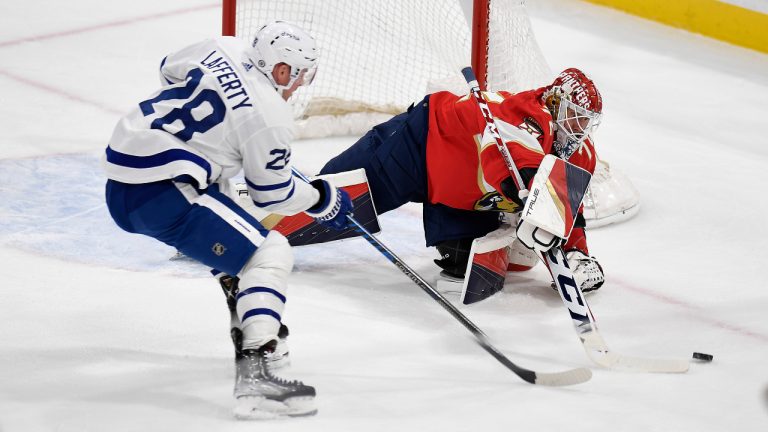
x,y
520,257
301,229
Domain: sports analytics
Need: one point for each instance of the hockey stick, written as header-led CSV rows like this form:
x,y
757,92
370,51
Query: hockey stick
x,y
569,377
571,294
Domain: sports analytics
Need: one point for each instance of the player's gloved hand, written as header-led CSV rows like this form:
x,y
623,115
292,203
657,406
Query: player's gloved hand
x,y
509,189
333,207
587,272
536,238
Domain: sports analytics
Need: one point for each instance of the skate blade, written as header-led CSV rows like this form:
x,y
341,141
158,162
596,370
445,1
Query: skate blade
x,y
260,408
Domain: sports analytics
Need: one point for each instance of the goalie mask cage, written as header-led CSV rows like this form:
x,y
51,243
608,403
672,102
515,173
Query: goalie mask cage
x,y
379,56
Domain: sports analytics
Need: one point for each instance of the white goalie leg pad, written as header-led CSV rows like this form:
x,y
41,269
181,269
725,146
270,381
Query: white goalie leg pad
x,y
263,289
521,256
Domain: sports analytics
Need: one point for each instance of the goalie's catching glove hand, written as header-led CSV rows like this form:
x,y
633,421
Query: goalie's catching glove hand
x,y
333,207
536,238
587,272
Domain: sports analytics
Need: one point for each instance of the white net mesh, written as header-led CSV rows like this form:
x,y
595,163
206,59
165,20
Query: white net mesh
x,y
377,57
515,61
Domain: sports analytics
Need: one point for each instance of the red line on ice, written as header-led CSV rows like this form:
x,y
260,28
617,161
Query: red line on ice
x,y
107,25
74,97
699,312
62,93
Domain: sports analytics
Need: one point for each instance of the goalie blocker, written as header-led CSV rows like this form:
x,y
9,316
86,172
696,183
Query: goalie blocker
x,y
547,218
553,204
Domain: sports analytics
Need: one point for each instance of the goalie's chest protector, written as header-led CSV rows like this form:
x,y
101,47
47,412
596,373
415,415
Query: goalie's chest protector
x,y
463,174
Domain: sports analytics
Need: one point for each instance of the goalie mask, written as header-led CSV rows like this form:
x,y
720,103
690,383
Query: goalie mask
x,y
282,42
576,106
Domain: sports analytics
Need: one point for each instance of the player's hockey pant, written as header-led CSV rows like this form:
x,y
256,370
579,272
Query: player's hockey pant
x,y
209,227
393,154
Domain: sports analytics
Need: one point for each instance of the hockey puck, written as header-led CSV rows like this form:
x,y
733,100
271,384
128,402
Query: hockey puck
x,y
703,357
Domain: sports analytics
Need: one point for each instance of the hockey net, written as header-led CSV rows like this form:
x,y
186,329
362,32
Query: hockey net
x,y
377,57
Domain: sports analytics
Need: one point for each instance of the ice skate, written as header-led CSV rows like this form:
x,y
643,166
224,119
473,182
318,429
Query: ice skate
x,y
277,359
261,395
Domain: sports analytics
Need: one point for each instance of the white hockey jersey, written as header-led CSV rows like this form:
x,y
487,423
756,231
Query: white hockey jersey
x,y
215,115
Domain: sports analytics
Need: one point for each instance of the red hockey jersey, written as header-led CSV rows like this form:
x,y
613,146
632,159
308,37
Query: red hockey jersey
x,y
464,174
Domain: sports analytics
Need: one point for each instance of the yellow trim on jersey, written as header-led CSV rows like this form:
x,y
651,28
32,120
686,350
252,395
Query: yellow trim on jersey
x,y
493,97
514,134
492,200
723,21
480,177
556,199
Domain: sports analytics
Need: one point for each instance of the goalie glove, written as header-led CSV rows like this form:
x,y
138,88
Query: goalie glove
x,y
536,238
333,207
587,272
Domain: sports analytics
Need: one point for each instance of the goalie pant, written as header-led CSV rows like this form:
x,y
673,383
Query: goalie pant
x,y
393,155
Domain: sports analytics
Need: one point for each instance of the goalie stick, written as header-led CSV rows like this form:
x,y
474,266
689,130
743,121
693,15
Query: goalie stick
x,y
568,377
570,293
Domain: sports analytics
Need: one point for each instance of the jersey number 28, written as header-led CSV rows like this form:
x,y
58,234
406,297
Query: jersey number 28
x,y
186,114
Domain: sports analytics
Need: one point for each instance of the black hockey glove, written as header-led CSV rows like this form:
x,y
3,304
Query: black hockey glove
x,y
454,255
509,190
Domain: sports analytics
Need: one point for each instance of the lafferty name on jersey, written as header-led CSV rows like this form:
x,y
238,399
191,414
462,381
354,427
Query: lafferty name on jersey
x,y
230,82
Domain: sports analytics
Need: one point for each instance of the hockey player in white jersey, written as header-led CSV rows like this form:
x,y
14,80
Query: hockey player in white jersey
x,y
222,109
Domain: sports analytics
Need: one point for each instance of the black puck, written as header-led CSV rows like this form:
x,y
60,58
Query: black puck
x,y
702,356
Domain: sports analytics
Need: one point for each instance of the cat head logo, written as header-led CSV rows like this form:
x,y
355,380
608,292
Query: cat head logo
x,y
531,126
493,201
219,249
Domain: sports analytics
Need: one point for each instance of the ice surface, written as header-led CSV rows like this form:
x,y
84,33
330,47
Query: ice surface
x,y
100,331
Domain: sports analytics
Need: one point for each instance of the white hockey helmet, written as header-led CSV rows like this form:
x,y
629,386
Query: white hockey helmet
x,y
282,42
576,107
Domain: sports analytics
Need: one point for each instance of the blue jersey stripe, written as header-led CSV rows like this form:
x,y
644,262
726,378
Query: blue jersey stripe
x,y
162,63
269,203
157,160
261,311
261,290
271,187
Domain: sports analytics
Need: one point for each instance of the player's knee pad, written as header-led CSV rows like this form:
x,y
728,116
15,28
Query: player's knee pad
x,y
263,288
274,258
